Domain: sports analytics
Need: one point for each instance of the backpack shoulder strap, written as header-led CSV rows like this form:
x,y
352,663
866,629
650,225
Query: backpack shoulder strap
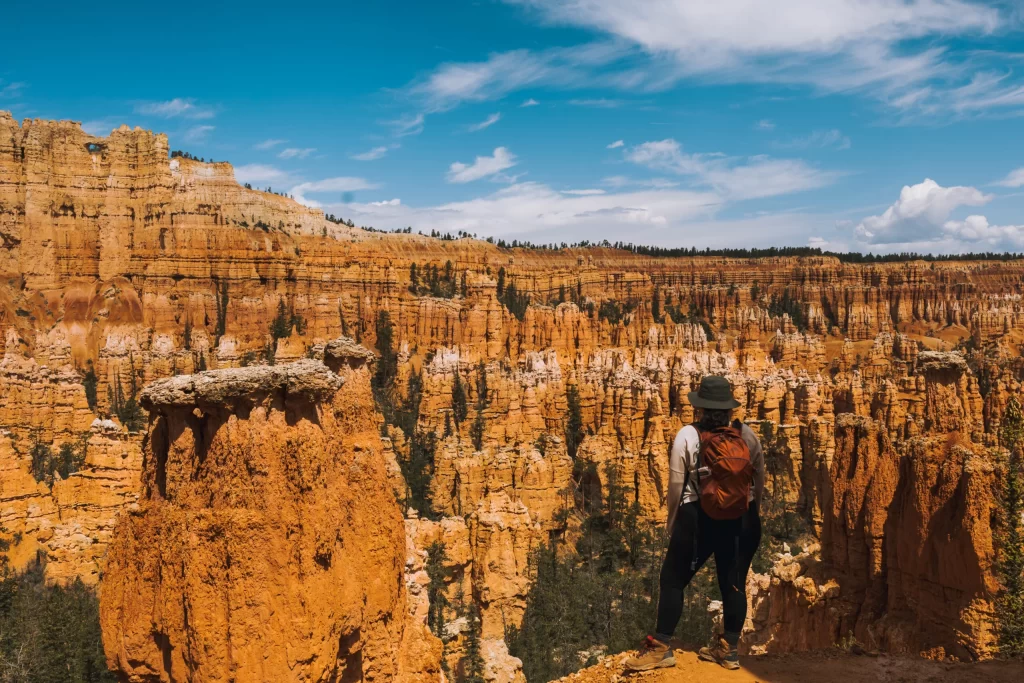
x,y
696,457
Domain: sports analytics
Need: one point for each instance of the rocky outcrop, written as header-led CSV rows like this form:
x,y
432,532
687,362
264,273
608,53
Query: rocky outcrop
x,y
267,544
124,268
68,520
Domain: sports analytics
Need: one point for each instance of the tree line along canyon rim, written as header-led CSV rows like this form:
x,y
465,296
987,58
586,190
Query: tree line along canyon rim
x,y
240,440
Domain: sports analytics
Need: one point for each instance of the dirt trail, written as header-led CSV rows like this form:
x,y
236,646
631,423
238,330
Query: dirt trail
x,y
834,667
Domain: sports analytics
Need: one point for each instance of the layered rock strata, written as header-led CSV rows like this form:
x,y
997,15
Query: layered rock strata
x,y
267,544
122,267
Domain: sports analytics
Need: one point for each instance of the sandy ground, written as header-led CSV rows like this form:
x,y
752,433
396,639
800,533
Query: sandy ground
x,y
833,667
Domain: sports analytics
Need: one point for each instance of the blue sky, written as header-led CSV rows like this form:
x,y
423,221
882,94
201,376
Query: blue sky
x,y
874,125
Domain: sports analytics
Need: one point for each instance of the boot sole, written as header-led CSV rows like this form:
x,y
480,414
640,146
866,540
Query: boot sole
x,y
663,664
725,664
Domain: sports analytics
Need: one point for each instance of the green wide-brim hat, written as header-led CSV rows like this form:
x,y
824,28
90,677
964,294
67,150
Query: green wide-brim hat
x,y
715,393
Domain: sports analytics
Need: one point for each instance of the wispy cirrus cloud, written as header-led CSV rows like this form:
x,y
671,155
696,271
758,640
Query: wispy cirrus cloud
x,y
899,52
295,152
1013,179
482,166
178,107
764,124
260,173
343,184
597,103
197,133
734,179
11,90
452,84
410,124
535,211
486,123
101,127
819,139
529,103
268,144
615,145
375,153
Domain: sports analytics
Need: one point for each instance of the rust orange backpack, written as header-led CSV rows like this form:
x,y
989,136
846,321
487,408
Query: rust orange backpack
x,y
725,472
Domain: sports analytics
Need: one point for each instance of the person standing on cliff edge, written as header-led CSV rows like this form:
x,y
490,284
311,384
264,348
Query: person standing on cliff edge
x,y
716,478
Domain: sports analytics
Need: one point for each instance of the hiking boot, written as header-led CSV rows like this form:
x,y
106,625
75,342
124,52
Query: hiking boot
x,y
722,653
654,654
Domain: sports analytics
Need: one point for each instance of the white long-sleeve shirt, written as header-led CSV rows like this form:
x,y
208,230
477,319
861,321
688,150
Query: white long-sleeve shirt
x,y
682,462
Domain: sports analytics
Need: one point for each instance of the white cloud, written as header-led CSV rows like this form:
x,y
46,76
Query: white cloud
x,y
259,173
338,184
100,127
296,152
618,181
197,133
583,193
502,73
534,206
597,103
185,108
976,230
268,144
486,123
11,90
919,214
1014,179
481,167
712,33
755,177
373,154
537,212
888,49
819,139
616,144
530,103
764,124
406,125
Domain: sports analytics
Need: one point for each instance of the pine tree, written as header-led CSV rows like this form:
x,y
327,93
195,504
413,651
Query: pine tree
x,y
1010,539
459,409
438,575
280,326
387,366
476,432
574,422
222,310
414,279
500,290
90,382
473,660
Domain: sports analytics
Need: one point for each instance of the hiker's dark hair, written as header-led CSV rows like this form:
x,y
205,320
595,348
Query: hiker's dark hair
x,y
713,419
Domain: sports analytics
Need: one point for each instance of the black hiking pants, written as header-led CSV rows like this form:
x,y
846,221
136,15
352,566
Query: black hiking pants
x,y
695,537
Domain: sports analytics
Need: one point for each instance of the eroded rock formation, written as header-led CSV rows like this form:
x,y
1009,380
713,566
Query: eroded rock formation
x,y
267,544
122,267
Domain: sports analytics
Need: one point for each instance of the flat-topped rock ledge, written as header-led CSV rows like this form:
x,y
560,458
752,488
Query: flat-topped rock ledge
x,y
935,361
306,378
346,351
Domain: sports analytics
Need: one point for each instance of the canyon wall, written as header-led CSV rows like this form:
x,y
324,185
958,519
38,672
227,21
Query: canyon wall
x,y
120,267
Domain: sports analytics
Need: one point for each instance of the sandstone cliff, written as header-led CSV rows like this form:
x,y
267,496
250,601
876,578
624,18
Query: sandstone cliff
x,y
267,545
122,267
